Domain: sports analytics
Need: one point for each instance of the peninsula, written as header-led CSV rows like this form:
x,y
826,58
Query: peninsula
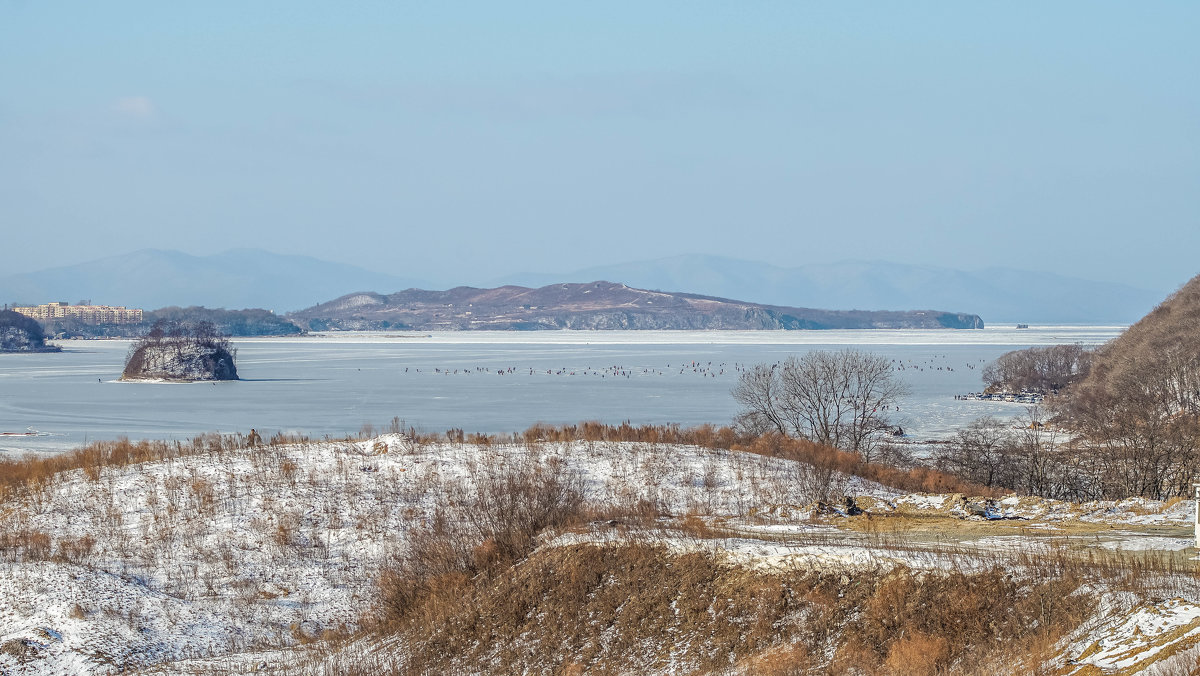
x,y
595,306
19,333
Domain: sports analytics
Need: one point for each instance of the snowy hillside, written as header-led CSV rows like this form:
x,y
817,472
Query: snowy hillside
x,y
262,547
212,561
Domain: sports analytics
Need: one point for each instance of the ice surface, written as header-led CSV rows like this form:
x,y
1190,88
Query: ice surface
x,y
331,384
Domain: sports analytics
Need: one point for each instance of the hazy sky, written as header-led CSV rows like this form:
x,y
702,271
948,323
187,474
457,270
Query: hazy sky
x,y
464,141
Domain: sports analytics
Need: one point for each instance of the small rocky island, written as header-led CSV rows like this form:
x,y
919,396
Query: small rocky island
x,y
19,333
181,352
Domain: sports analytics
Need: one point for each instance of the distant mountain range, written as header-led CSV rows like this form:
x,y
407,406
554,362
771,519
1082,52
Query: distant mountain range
x,y
243,278
596,306
239,278
999,295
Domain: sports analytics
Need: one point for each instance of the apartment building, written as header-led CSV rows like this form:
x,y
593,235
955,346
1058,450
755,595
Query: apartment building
x,y
89,314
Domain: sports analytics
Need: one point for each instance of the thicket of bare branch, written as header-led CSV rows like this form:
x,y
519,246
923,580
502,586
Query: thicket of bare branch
x,y
1138,411
1030,457
838,399
1126,418
1038,369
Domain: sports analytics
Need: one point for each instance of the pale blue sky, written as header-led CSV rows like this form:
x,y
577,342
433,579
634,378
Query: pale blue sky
x,y
460,142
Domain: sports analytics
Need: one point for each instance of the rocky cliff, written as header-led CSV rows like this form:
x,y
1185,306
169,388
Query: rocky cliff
x,y
596,305
183,353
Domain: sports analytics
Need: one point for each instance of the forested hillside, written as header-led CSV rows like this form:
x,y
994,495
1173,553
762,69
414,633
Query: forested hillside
x,y
234,323
1151,371
19,333
1123,420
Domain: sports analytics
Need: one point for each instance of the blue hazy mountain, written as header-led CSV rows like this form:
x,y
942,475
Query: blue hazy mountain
x,y
241,278
238,278
999,295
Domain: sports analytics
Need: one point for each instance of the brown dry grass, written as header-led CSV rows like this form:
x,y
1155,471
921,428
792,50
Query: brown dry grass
x,y
916,479
637,607
475,598
29,473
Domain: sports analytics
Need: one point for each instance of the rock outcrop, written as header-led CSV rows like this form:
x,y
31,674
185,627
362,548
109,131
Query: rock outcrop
x,y
181,353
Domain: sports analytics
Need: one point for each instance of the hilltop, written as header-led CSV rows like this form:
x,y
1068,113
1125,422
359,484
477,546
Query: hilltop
x,y
1158,356
595,305
1001,295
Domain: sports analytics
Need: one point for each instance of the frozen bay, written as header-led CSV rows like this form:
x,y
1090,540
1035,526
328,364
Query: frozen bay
x,y
331,384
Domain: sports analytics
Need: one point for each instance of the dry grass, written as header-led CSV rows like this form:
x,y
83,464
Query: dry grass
x,y
493,524
469,592
27,474
636,607
916,479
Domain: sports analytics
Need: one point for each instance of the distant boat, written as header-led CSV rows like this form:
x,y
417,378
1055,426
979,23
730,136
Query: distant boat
x,y
29,432
1022,326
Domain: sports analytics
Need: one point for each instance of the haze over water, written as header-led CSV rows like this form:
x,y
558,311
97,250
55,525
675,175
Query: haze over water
x,y
331,384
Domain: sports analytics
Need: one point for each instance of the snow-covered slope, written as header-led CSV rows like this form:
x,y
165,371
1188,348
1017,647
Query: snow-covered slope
x,y
263,547
219,560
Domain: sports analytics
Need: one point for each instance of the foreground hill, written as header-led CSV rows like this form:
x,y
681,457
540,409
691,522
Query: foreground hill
x,y
596,305
1002,295
228,556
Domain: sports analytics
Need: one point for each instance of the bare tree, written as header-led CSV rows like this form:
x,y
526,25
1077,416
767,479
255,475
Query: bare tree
x,y
760,394
980,452
840,399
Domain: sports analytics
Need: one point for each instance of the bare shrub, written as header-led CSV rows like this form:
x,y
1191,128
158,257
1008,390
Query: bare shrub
x,y
287,529
693,525
76,550
288,470
204,496
825,458
821,481
513,503
496,517
27,545
702,435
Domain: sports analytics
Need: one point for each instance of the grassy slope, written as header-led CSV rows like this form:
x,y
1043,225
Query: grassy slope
x,y
197,558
